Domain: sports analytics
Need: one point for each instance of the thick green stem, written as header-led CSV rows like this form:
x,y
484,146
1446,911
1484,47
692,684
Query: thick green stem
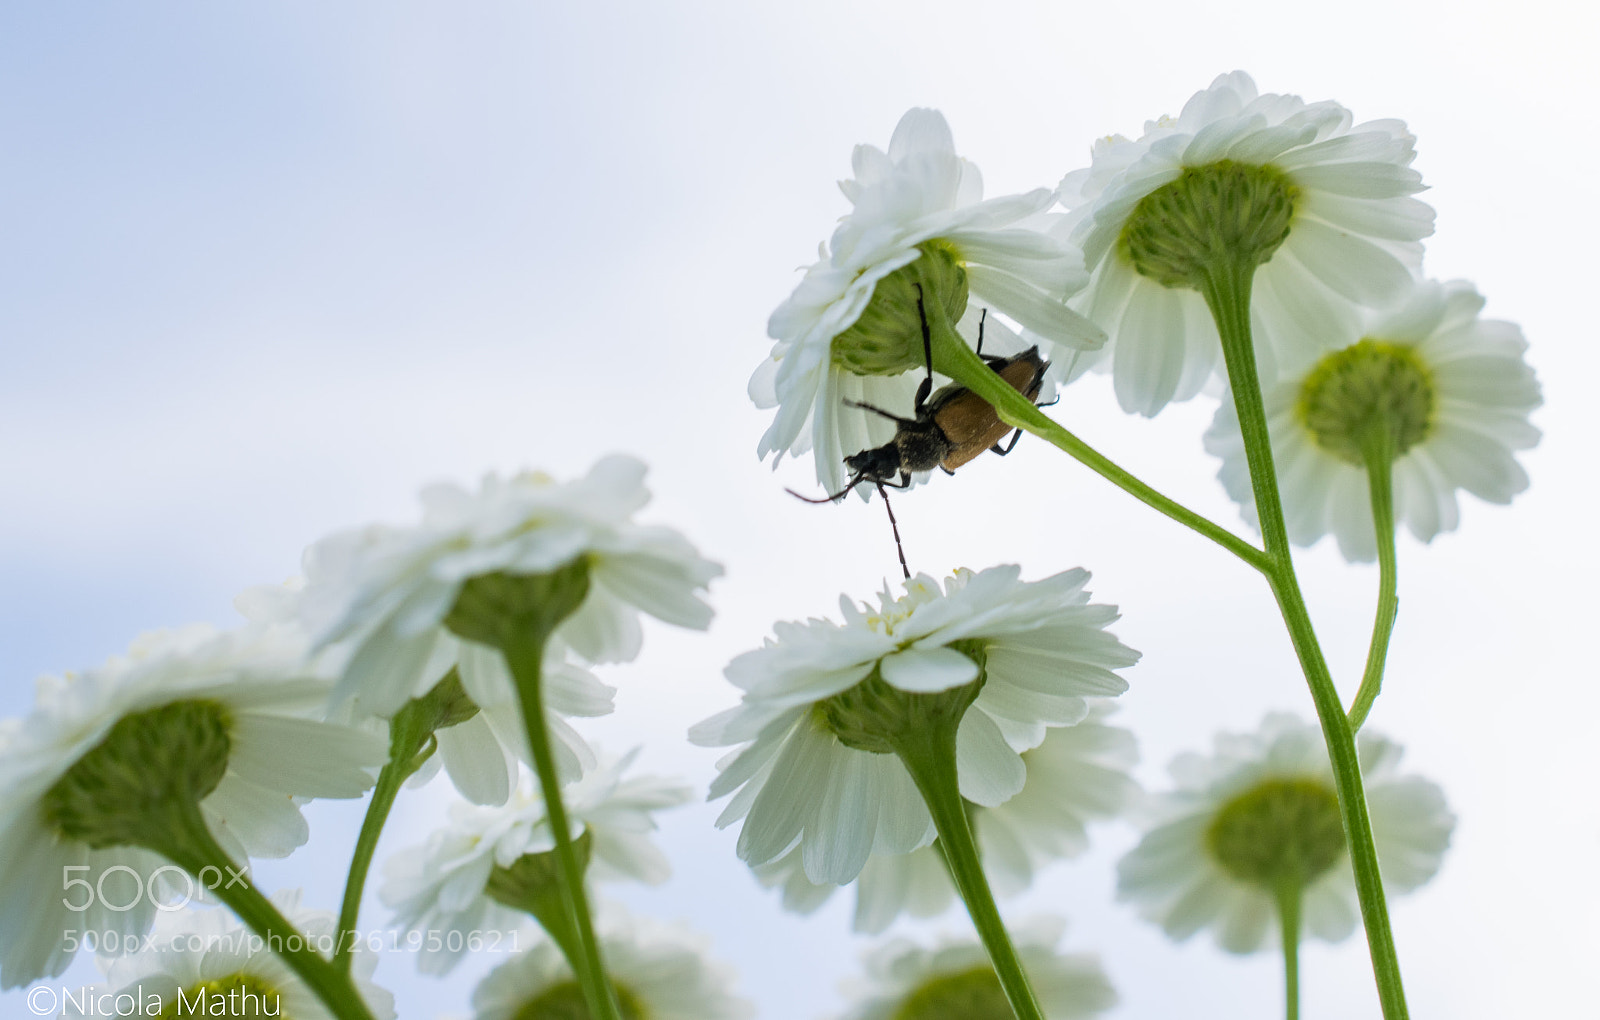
x,y
1289,897
1227,292
1379,454
193,848
526,660
929,755
954,358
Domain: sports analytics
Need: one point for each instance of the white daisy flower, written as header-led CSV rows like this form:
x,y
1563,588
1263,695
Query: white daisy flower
x,y
1079,774
443,885
479,754
815,773
192,712
954,979
659,973
1325,206
207,963
386,591
1454,390
1263,805
850,331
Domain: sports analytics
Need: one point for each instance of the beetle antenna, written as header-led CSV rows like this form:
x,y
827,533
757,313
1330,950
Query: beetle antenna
x,y
895,527
842,493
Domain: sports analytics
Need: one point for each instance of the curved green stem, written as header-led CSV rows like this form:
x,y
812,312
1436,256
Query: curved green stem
x,y
355,883
952,357
1227,292
1379,451
192,847
1289,899
405,758
526,660
929,755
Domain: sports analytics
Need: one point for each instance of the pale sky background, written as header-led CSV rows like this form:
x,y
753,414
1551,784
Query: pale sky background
x,y
267,268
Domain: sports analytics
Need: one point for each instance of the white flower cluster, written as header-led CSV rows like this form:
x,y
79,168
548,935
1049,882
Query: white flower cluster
x,y
1344,323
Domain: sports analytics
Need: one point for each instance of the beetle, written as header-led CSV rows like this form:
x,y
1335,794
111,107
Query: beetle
x,y
948,428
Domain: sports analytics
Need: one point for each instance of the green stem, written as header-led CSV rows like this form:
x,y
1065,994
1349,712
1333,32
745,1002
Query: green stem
x,y
404,759
929,755
952,357
1379,455
1289,900
193,848
526,660
1227,292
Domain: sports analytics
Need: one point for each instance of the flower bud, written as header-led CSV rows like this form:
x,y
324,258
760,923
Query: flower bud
x,y
1370,388
872,715
1281,831
124,791
1219,214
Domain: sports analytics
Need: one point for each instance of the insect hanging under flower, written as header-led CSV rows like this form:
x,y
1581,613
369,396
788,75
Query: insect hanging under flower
x,y
948,428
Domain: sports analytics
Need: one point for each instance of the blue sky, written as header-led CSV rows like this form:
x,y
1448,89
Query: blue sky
x,y
265,269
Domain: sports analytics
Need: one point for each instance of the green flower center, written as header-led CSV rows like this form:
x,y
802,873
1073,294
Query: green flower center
x,y
887,338
969,995
123,790
239,995
504,610
565,1002
1282,831
532,882
1370,390
1219,214
871,715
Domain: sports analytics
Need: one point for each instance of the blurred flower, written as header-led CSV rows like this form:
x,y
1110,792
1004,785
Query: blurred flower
x,y
817,773
443,885
479,754
1080,773
216,964
659,973
103,752
955,979
1264,802
1453,390
1322,206
386,591
850,331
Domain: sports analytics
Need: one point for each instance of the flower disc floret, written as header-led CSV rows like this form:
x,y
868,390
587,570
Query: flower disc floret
x,y
1322,207
824,702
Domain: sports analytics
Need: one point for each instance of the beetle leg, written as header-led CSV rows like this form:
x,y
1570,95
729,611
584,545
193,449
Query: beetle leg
x,y
1009,446
878,410
926,386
